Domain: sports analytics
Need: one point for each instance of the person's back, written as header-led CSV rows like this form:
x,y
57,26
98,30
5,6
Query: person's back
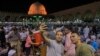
x,y
92,48
95,45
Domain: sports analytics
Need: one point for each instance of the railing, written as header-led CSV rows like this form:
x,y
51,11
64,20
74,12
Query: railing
x,y
53,23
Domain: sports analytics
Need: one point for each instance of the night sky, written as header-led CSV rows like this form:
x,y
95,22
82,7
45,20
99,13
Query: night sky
x,y
21,6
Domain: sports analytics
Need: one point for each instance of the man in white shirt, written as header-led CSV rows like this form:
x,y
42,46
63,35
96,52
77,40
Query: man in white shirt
x,y
23,35
55,47
86,31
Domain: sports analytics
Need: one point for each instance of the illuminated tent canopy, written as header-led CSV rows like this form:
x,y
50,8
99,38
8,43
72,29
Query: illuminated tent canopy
x,y
37,8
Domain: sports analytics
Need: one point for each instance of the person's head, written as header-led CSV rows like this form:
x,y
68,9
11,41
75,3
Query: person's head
x,y
14,28
59,36
67,30
93,37
86,26
30,33
23,30
8,45
89,42
75,38
1,28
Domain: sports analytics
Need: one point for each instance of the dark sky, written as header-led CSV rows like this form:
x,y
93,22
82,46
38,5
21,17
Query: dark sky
x,y
21,6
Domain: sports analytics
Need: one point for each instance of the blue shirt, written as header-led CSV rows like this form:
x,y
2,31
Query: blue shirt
x,y
95,45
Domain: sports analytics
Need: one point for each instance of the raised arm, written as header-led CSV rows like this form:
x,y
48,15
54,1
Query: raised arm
x,y
46,37
42,29
8,35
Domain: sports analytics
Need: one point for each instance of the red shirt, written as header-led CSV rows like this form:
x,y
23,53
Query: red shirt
x,y
38,38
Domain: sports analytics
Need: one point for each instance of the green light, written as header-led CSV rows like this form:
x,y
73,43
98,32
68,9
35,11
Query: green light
x,y
40,16
37,17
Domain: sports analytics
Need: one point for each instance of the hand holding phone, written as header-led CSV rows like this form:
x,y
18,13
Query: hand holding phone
x,y
43,27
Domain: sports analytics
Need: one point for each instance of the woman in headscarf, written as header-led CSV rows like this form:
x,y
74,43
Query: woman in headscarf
x,y
69,47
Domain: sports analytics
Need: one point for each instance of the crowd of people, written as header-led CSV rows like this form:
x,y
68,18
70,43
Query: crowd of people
x,y
63,40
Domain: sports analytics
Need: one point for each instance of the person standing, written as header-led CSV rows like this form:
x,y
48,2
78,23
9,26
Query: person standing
x,y
28,44
2,37
56,47
86,31
94,42
13,38
23,35
82,49
69,46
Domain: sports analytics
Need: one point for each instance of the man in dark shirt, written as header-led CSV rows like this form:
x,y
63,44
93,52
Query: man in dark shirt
x,y
2,37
